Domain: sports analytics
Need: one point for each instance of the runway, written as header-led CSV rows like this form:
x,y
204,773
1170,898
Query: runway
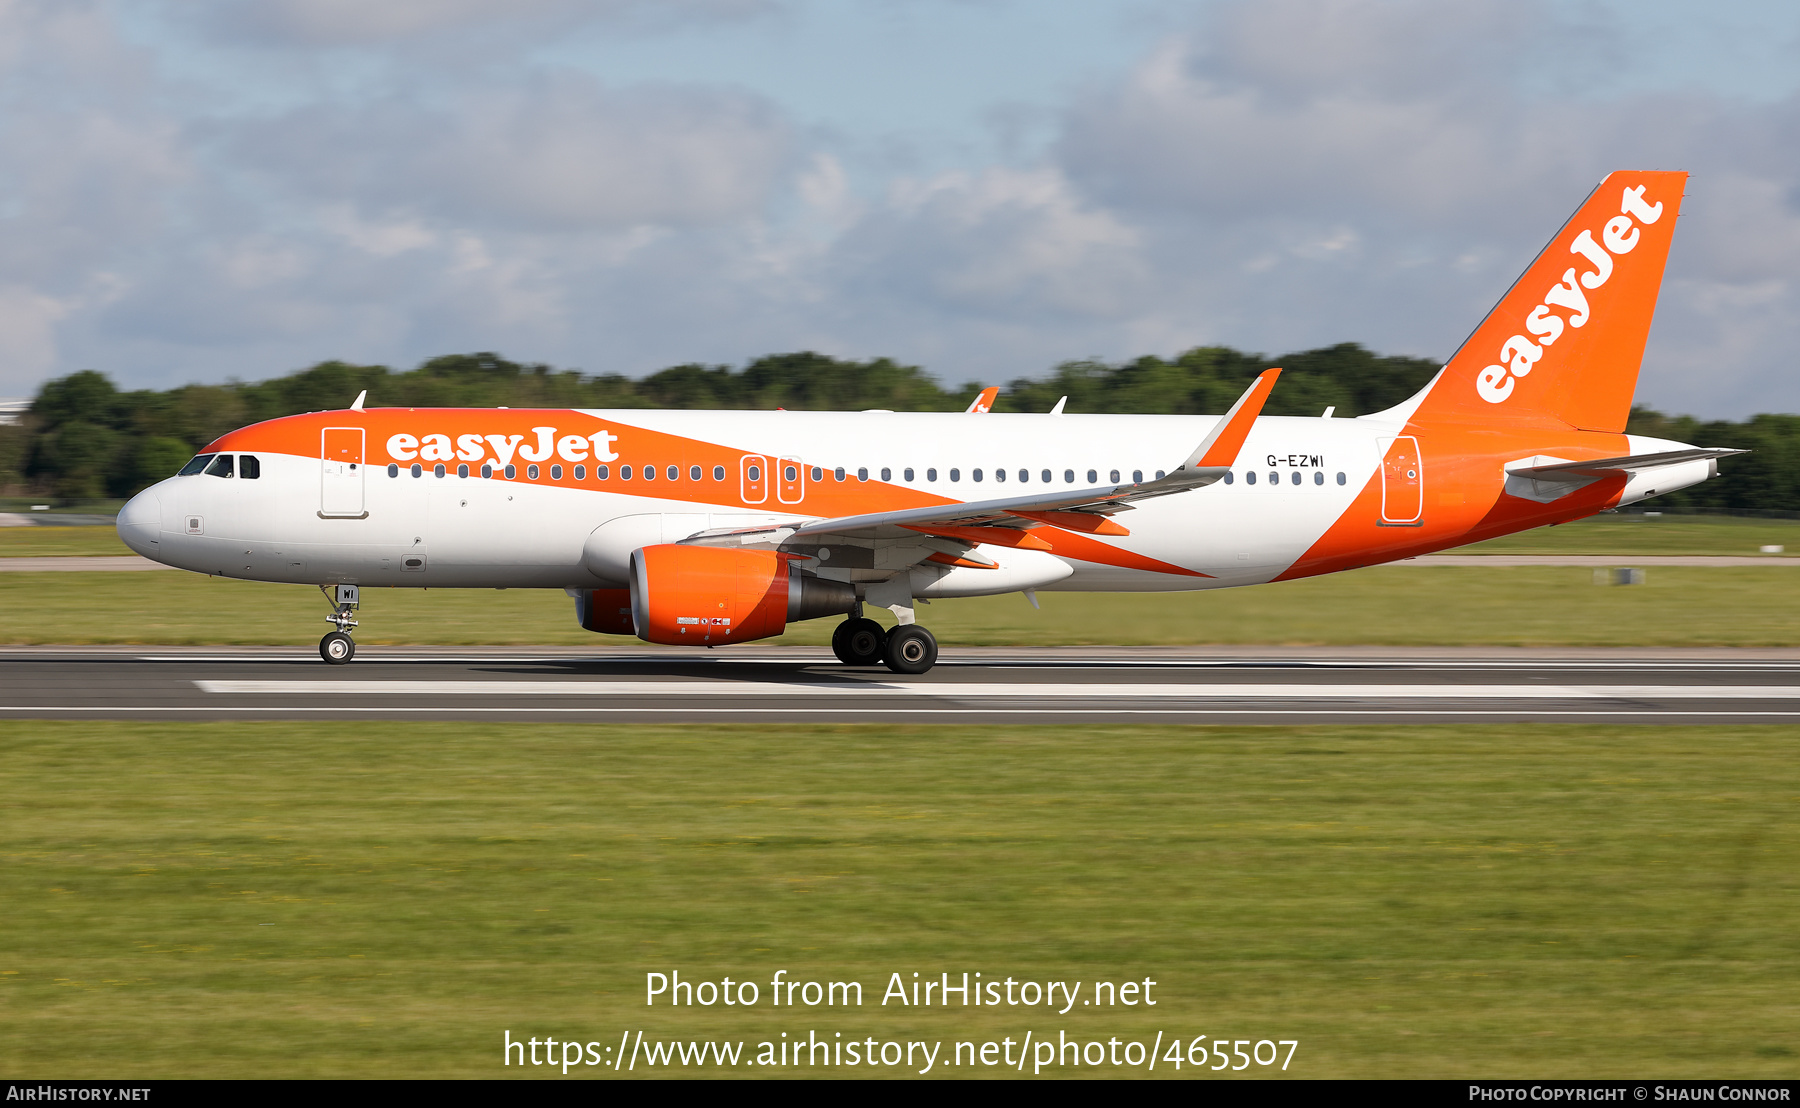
x,y
1080,686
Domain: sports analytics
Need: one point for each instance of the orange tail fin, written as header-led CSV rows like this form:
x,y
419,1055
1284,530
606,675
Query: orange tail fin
x,y
1568,337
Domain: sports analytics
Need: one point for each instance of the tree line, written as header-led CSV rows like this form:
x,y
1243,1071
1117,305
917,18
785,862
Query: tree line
x,y
84,438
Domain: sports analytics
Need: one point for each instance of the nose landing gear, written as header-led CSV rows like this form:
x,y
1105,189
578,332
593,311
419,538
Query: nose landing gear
x,y
337,647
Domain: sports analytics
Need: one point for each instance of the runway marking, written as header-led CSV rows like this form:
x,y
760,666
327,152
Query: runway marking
x,y
985,690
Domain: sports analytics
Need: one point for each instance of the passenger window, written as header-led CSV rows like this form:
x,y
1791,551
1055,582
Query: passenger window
x,y
1137,476
693,473
817,474
718,473
249,467
1274,478
580,473
930,475
555,473
1024,475
674,473
838,473
601,473
1296,478
487,470
221,466
1318,477
790,474
999,475
1250,477
1340,478
419,470
393,470
462,470
1093,477
624,473
977,475
1068,477
862,473
439,470
1159,475
197,465
511,472
1113,477
1228,477
531,472
649,473
956,475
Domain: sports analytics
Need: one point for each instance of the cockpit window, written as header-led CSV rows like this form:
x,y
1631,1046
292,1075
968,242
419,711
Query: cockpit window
x,y
221,466
195,466
249,467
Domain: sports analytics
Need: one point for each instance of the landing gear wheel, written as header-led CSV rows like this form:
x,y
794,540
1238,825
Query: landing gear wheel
x,y
858,642
910,649
337,648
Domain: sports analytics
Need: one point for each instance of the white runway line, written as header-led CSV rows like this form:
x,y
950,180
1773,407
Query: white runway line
x,y
988,691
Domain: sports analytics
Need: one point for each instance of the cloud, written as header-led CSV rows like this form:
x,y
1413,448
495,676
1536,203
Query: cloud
x,y
1276,175
1000,242
1379,171
310,24
556,153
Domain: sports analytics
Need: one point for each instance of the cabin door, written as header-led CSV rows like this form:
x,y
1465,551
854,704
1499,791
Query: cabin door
x,y
342,469
1402,483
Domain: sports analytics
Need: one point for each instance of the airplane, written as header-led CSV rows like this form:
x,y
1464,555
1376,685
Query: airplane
x,y
706,528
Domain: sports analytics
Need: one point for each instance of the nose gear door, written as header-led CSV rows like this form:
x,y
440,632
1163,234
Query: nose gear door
x,y
1402,483
341,466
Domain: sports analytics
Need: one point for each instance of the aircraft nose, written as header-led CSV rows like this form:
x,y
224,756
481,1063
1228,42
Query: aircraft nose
x,y
140,523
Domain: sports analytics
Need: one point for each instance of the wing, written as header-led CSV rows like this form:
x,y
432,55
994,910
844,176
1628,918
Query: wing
x,y
1083,510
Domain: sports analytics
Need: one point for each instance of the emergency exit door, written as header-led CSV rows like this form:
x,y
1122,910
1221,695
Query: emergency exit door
x,y
1402,483
341,466
753,478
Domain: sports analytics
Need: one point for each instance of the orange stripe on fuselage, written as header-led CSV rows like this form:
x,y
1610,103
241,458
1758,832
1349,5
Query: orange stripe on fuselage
x,y
1464,470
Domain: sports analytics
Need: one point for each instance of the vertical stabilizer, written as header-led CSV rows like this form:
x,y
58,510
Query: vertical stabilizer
x,y
1567,339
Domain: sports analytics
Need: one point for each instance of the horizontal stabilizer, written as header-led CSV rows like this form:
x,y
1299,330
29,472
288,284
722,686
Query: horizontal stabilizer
x,y
1601,467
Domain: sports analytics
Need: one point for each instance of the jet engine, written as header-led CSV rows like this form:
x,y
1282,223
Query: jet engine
x,y
607,611
709,595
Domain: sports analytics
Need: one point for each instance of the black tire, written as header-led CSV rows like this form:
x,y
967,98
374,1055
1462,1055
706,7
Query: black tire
x,y
858,642
337,648
910,649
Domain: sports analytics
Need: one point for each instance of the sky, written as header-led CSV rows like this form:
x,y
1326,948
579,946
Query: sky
x,y
197,190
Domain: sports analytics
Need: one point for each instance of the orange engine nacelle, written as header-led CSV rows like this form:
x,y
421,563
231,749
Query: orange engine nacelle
x,y
708,595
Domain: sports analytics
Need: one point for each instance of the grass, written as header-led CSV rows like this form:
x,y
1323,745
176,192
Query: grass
x,y
60,542
384,900
1627,534
1395,605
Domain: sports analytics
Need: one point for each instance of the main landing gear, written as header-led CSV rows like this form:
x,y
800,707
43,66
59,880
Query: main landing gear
x,y
337,647
908,648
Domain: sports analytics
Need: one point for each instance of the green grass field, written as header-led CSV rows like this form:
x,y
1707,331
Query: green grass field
x,y
375,900
1394,605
